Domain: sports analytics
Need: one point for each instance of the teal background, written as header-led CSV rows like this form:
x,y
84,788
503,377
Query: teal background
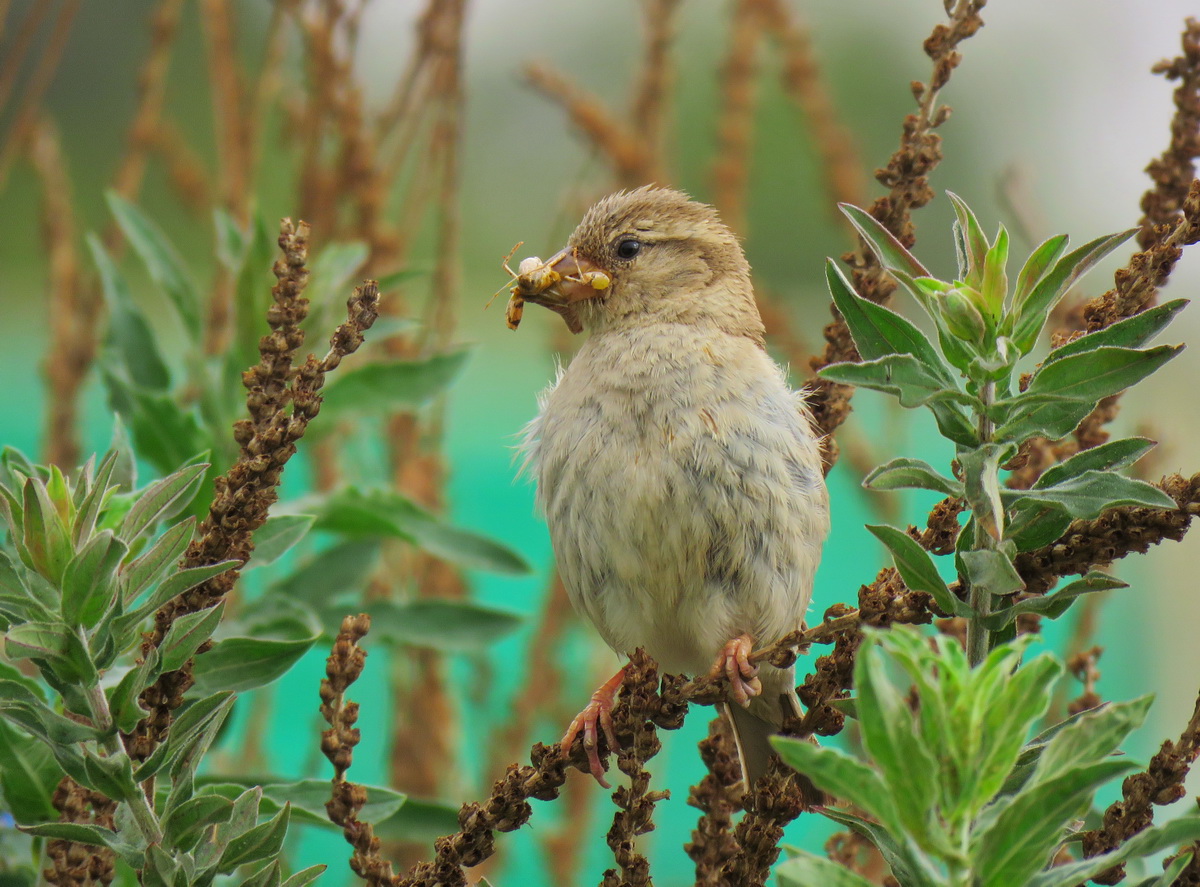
x,y
1057,95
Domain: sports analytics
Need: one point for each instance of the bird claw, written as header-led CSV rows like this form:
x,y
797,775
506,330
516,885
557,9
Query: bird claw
x,y
596,718
734,662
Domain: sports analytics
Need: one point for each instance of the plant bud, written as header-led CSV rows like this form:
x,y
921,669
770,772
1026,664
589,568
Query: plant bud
x,y
962,316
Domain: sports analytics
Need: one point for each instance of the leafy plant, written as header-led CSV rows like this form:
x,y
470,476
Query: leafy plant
x,y
950,792
969,381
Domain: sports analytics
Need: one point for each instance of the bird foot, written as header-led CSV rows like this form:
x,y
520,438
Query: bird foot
x,y
596,717
734,662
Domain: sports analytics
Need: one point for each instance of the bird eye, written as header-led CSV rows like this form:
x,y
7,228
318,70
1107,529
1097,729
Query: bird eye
x,y
628,248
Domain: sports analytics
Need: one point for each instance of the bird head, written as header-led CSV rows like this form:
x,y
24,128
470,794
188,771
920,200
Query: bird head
x,y
648,256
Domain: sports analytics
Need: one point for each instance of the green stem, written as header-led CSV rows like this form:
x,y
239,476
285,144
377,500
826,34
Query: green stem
x,y
102,719
980,599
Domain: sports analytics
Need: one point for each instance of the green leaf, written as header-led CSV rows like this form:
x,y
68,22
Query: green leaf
x,y
916,474
890,252
1111,456
1096,374
440,624
277,536
1033,311
308,797
161,260
810,870
129,334
995,277
1035,268
27,711
974,242
890,737
230,239
189,736
917,569
1018,841
45,537
332,572
1092,492
1170,873
397,384
29,776
93,501
1032,524
901,375
161,500
1054,605
304,876
245,663
165,434
384,513
1146,843
261,842
111,775
878,331
184,825
56,644
1132,332
123,699
89,583
140,574
186,634
1046,415
993,571
835,772
418,821
173,586
981,483
1091,738
95,835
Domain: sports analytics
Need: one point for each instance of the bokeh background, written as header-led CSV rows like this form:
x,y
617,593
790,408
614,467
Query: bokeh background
x,y
1055,116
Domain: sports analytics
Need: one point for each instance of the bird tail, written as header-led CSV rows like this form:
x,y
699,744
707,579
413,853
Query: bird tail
x,y
752,733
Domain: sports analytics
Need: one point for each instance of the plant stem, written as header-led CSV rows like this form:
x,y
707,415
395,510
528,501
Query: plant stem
x,y
980,599
143,813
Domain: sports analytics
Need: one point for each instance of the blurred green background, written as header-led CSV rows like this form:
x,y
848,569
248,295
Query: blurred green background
x,y
1054,106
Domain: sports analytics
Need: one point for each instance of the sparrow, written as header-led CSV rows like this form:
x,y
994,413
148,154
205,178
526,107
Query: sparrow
x,y
678,472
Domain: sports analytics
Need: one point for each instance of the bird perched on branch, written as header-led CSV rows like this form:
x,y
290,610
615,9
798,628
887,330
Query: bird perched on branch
x,y
678,472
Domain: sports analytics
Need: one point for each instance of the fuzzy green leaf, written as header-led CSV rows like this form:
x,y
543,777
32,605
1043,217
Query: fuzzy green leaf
x,y
453,626
90,583
162,499
974,243
277,536
398,384
901,375
1091,738
1034,524
1054,605
1017,842
1088,494
1033,311
140,574
1036,266
835,772
982,486
161,260
904,473
1132,332
917,569
890,252
384,513
165,434
184,825
342,568
186,634
1153,840
245,663
129,334
809,870
879,331
29,776
993,571
1111,456
261,842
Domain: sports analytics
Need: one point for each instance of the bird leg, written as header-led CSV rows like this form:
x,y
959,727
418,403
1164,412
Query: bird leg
x,y
734,662
596,715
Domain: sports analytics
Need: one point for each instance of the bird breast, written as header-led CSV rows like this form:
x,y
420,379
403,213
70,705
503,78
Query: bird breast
x,y
682,486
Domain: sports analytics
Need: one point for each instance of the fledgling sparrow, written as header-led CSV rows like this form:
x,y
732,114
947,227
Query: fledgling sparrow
x,y
678,472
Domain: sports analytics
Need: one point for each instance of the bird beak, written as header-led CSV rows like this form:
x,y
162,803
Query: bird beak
x,y
560,283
